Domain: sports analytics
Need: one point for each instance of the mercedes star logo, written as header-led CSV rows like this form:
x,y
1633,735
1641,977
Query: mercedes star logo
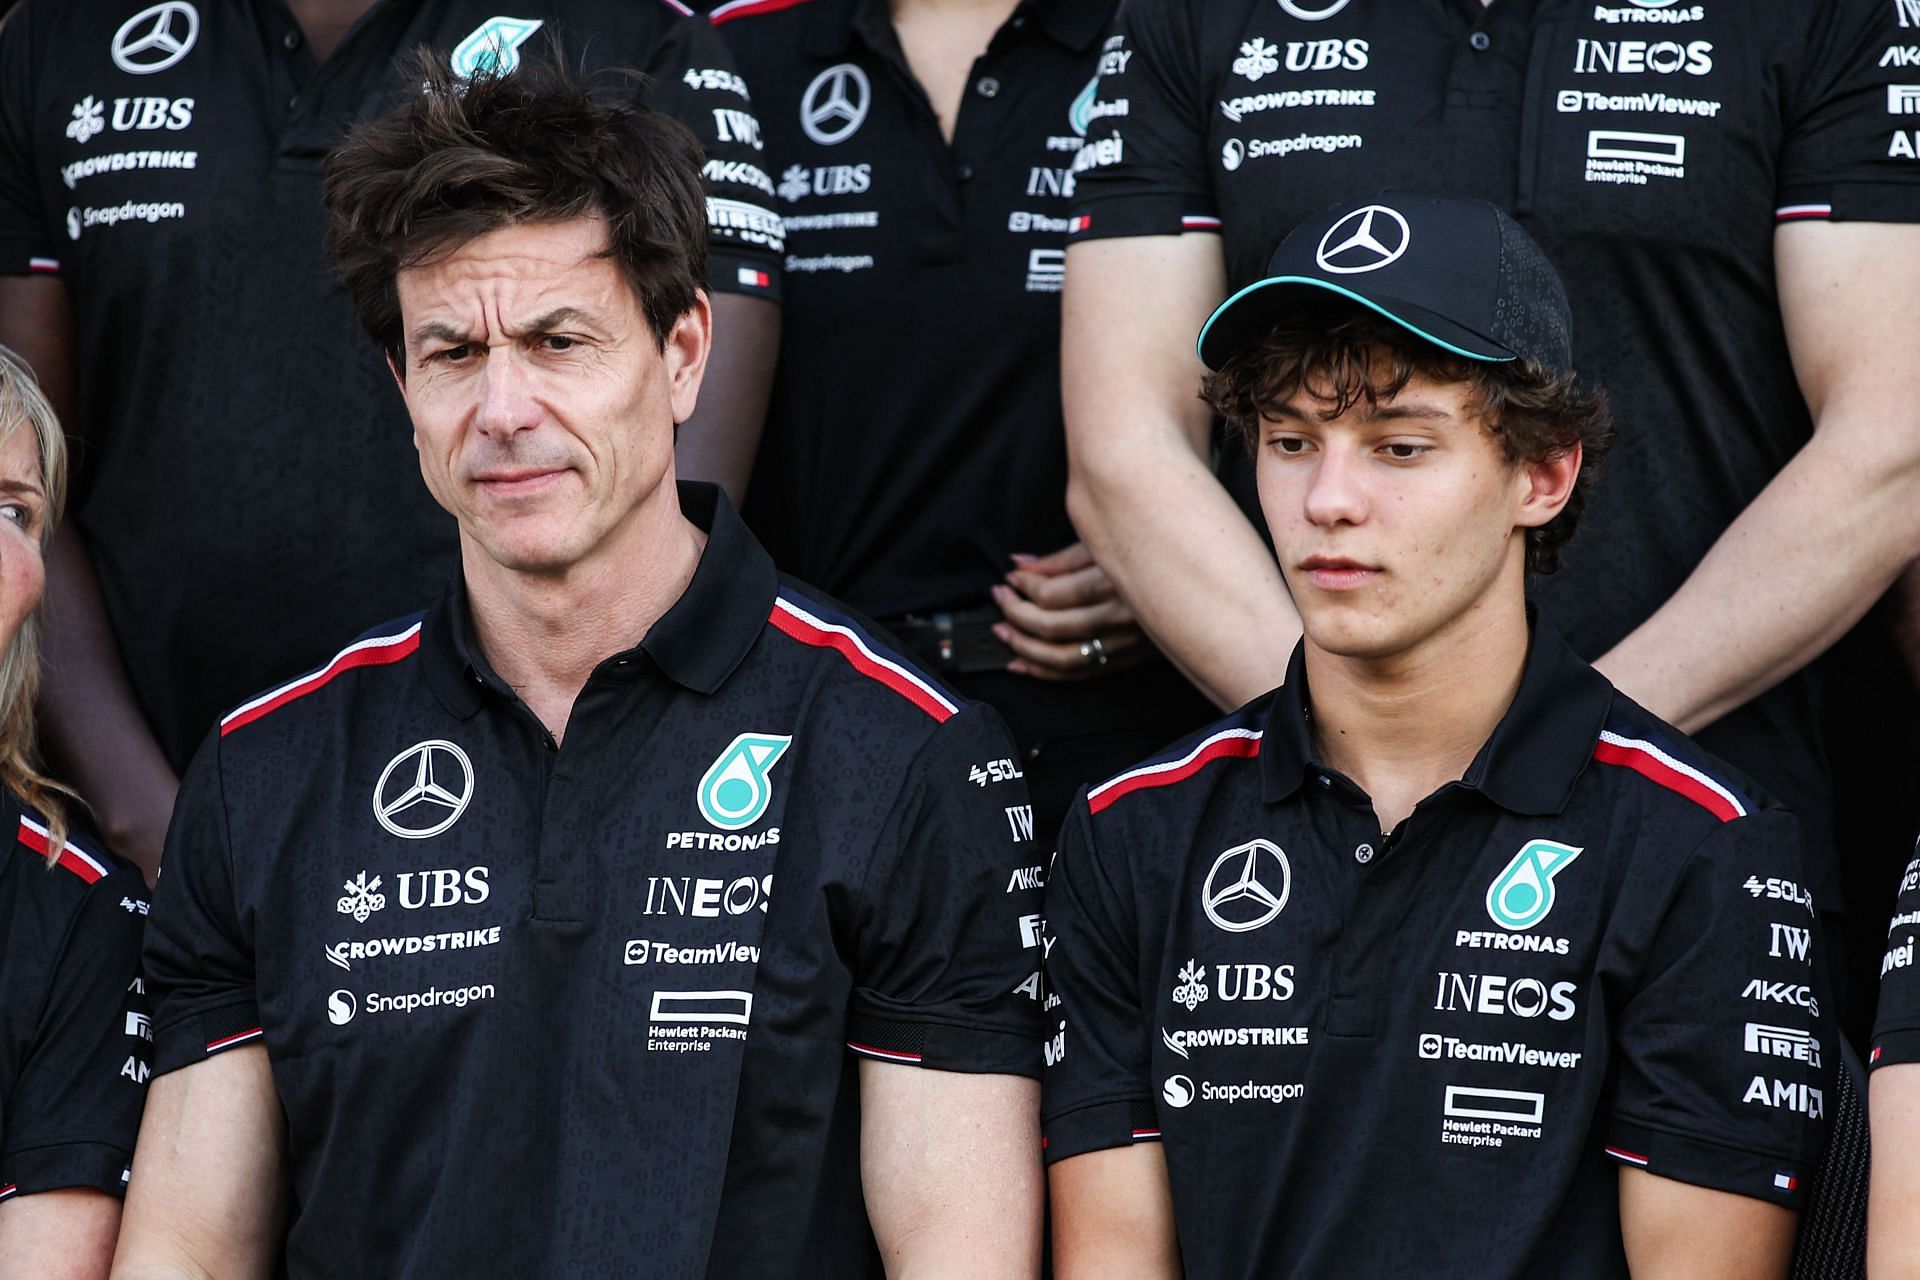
x,y
1305,14
835,104
155,38
424,790
1365,240
1247,886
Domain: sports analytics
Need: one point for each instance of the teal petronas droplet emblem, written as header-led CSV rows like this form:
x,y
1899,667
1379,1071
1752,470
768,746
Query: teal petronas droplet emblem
x,y
735,790
1080,114
1521,896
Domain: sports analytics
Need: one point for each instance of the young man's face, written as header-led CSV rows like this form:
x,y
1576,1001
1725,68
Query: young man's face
x,y
543,407
1399,521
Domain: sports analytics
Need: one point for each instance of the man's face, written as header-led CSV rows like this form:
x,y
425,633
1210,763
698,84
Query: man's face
x,y
1397,522
542,406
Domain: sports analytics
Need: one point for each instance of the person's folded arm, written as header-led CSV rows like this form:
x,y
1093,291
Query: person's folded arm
x,y
1833,529
951,1167
1113,1216
1677,1231
207,1197
1141,488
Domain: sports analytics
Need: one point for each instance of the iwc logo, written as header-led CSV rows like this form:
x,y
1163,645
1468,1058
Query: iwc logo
x,y
1521,895
735,790
494,46
423,790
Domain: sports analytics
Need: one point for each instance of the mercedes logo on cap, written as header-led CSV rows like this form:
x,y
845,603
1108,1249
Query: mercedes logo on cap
x,y
1367,239
156,38
835,104
423,790
1247,886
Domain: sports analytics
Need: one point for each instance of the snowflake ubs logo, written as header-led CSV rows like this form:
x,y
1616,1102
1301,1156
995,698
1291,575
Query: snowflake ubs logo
x,y
1257,58
794,184
1192,991
1247,886
1365,240
89,119
835,104
424,789
362,899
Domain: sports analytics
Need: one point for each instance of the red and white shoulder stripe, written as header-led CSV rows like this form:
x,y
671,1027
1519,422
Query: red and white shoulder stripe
x,y
748,9
90,867
1663,768
374,651
1235,743
800,622
1802,212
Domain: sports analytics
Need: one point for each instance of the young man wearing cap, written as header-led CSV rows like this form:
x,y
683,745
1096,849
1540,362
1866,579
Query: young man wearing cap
x,y
1445,958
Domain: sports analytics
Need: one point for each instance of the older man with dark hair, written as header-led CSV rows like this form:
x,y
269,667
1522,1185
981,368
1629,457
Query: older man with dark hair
x,y
630,911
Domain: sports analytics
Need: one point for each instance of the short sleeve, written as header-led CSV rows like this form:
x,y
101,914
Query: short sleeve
x,y
1097,1092
26,241
1142,169
199,959
1725,1055
947,950
1896,1030
695,82
1853,133
75,1106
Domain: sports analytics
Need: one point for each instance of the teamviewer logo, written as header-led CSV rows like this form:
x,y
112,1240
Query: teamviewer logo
x,y
1429,1046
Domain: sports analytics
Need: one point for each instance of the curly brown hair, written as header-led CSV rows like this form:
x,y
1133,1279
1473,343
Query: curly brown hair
x,y
464,156
1534,413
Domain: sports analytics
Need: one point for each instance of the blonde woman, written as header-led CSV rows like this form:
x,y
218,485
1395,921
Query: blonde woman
x,y
73,1023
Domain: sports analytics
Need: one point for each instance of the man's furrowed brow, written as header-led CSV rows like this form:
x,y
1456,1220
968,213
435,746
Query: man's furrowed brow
x,y
439,331
1390,412
558,318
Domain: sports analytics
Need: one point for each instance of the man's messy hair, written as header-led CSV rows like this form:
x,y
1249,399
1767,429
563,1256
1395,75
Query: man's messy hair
x,y
1343,359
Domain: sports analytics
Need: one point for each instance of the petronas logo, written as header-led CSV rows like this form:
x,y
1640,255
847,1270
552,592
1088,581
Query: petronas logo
x,y
735,790
1080,114
1521,896
494,46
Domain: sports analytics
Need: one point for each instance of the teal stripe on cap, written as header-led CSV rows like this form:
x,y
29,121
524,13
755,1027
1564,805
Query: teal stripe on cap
x,y
1330,287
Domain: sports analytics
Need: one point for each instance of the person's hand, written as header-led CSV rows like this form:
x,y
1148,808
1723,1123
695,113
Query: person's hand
x,y
1065,619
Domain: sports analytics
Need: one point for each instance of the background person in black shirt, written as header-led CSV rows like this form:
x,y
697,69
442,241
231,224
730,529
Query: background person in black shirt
x,y
73,1030
914,462
243,492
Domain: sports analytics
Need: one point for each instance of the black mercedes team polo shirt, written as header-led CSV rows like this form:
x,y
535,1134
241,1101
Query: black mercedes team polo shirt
x,y
75,1040
1896,1031
596,1010
247,480
1427,1053
914,440
1650,146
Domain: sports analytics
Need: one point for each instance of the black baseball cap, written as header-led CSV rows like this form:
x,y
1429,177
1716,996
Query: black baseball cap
x,y
1460,274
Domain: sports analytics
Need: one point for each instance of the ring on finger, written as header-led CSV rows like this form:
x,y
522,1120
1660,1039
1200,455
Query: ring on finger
x,y
1094,652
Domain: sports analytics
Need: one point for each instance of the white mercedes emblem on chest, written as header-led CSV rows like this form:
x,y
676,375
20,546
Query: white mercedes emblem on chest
x,y
835,104
156,38
1306,14
1365,240
424,789
1247,886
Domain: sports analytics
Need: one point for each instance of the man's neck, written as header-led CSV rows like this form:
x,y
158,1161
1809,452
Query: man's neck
x,y
997,11
1404,727
325,23
545,633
